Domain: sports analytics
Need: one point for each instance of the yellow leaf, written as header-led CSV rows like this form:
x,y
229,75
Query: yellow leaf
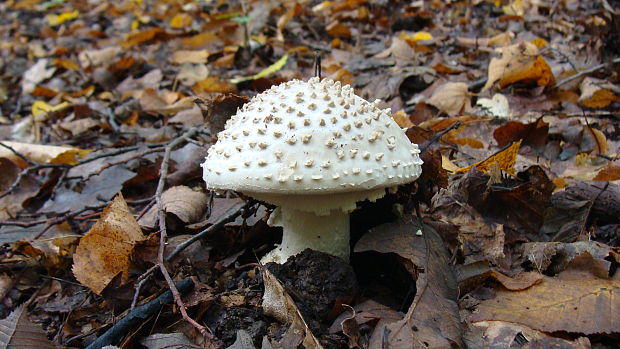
x,y
540,42
41,109
134,25
505,159
267,71
54,20
448,165
181,20
419,36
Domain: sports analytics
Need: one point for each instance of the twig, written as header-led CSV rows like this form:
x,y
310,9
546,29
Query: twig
x,y
585,72
123,161
18,154
138,315
438,136
163,235
227,217
141,281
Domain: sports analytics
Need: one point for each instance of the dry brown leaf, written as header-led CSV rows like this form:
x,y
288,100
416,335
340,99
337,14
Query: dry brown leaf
x,y
294,10
436,288
453,98
141,37
47,154
95,58
104,251
36,74
189,56
188,117
574,301
338,30
610,172
402,119
519,63
79,126
596,93
277,303
214,84
17,331
183,202
502,334
505,159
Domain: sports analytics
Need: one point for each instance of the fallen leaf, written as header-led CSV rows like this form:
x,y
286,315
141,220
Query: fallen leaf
x,y
554,257
610,172
338,30
188,56
182,202
17,331
181,20
519,63
98,57
213,84
104,251
520,206
533,134
78,193
574,302
36,74
54,20
265,72
453,98
166,340
596,93
436,287
505,159
277,303
497,106
46,154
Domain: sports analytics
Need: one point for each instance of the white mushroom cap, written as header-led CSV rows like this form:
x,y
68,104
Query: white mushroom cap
x,y
313,139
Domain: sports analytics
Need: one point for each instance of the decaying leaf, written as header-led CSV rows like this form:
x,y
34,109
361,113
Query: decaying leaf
x,y
575,301
17,331
104,251
533,134
497,106
436,288
596,93
519,63
610,172
277,303
453,98
47,154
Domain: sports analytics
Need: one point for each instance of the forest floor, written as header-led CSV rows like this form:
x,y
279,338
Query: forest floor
x,y
509,239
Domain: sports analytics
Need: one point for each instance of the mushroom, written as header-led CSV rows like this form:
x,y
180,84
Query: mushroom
x,y
313,149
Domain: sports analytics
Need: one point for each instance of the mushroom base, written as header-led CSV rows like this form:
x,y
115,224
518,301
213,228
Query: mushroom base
x,y
301,230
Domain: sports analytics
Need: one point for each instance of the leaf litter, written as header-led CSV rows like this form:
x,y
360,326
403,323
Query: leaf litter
x,y
514,220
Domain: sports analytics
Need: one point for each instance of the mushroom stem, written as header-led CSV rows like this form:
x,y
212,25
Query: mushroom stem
x,y
303,229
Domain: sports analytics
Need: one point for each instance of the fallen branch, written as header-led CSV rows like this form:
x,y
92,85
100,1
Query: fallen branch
x,y
138,315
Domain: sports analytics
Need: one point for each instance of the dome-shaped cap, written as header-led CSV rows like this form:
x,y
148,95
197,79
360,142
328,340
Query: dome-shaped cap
x,y
314,137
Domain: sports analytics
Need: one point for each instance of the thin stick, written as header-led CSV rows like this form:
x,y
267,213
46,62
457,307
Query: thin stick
x,y
163,234
586,72
227,217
